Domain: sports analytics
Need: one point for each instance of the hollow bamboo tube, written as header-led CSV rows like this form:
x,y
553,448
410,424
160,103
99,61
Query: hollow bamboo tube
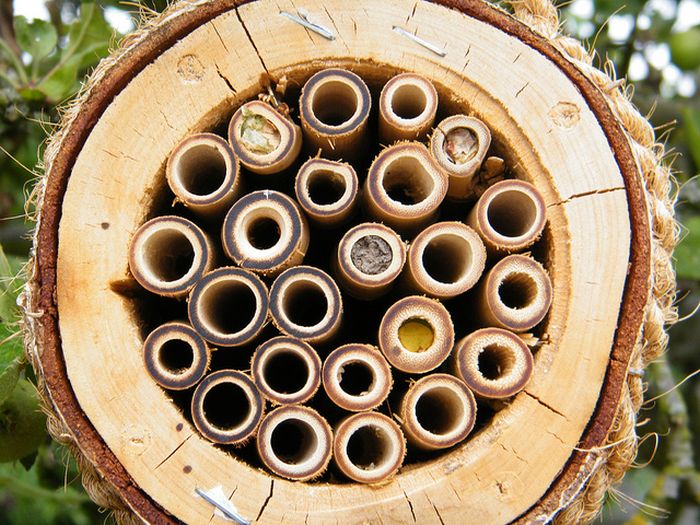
x,y
176,356
368,447
327,191
407,107
295,442
263,139
227,408
509,216
286,370
416,334
370,257
459,145
404,187
356,377
306,303
334,108
445,260
437,412
168,255
494,363
229,306
265,232
515,294
204,174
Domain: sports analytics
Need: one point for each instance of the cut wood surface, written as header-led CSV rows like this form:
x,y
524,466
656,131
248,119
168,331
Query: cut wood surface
x,y
523,464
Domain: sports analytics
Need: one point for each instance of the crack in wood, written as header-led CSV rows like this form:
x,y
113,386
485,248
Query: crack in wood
x,y
267,500
587,194
173,452
522,89
250,38
410,506
546,405
226,80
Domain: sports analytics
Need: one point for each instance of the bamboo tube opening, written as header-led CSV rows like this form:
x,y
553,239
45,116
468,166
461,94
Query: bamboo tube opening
x,y
445,260
368,447
168,255
226,407
295,442
335,103
306,303
438,411
265,232
286,370
229,306
416,334
176,356
494,363
326,191
264,140
356,377
516,294
369,259
407,108
509,216
203,173
404,188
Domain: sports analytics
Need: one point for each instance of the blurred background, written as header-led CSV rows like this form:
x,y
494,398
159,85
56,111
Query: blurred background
x,y
48,46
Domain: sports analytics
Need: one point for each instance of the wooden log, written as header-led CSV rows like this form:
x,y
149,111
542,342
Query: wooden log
x,y
195,67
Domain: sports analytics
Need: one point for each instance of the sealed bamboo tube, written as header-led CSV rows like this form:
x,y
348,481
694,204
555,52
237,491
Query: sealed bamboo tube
x,y
334,107
227,408
445,260
356,377
494,363
295,442
459,145
370,257
229,306
368,447
327,191
264,140
176,356
407,107
404,187
515,294
509,216
416,334
204,174
286,370
438,411
306,303
168,255
265,232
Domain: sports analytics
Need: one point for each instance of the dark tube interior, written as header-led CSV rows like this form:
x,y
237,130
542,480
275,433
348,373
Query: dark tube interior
x,y
356,378
325,187
334,103
176,356
512,213
496,361
228,306
305,304
293,441
408,102
368,447
407,181
439,410
447,258
201,169
517,290
169,254
226,405
264,233
286,372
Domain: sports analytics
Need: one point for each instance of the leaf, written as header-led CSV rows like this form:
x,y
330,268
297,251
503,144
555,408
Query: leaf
x,y
688,251
38,37
62,82
691,127
22,423
89,36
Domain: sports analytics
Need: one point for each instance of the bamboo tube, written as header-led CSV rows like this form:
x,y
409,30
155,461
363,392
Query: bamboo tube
x,y
437,412
407,107
176,356
459,145
227,408
509,216
334,107
306,303
286,370
265,232
416,334
404,187
295,442
515,294
494,363
445,260
264,140
356,377
229,306
204,174
327,191
168,255
370,257
368,447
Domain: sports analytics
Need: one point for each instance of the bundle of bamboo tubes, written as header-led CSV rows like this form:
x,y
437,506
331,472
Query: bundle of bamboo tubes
x,y
359,285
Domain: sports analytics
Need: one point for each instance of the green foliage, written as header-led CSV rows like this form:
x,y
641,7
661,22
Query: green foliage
x,y
685,48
